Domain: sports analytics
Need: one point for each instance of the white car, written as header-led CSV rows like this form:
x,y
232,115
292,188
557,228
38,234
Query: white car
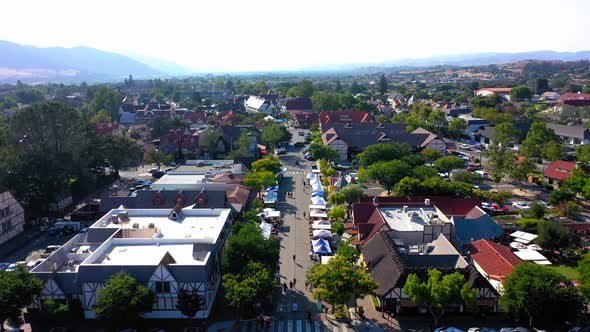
x,y
465,146
486,205
545,204
521,205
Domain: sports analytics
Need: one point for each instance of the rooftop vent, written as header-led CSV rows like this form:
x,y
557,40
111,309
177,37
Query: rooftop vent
x,y
427,202
405,208
123,216
135,225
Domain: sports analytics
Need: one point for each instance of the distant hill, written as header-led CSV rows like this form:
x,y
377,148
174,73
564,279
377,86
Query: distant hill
x,y
41,64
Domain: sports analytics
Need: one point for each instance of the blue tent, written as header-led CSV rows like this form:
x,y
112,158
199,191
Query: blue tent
x,y
321,246
317,193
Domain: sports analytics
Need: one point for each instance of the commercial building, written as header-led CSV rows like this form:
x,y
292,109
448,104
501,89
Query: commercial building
x,y
12,216
166,249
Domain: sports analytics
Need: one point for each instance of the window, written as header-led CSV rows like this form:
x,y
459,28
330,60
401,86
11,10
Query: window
x,y
162,287
6,226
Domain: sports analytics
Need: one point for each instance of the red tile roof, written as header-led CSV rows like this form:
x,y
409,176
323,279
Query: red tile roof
x,y
559,170
494,90
371,227
495,259
329,118
196,116
575,96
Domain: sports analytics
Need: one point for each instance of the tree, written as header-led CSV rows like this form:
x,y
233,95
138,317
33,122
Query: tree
x,y
158,158
105,98
437,122
431,154
337,213
123,300
521,93
196,97
584,270
275,133
336,198
338,227
338,87
553,235
457,128
439,293
465,176
249,287
389,173
339,281
352,193
537,139
355,88
541,86
500,160
248,245
161,126
505,134
383,152
424,172
17,290
449,163
382,85
121,150
322,151
305,88
270,163
258,180
190,302
349,252
521,170
103,116
554,150
534,291
325,101
583,154
536,211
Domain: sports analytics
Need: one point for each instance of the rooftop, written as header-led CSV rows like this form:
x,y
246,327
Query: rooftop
x,y
149,253
407,219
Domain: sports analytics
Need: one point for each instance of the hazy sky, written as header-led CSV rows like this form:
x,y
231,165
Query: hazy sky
x,y
223,35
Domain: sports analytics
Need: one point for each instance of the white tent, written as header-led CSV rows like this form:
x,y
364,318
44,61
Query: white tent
x,y
317,207
326,259
532,256
321,246
321,224
523,237
265,229
318,214
274,214
311,176
271,197
317,200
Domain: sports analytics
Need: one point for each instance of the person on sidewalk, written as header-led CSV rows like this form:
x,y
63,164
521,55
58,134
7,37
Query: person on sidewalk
x,y
291,284
294,282
293,257
285,287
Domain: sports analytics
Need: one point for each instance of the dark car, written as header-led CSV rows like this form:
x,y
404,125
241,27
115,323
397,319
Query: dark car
x,y
299,144
158,174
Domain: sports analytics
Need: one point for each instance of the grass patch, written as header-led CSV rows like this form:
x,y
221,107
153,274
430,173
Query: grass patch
x,y
567,271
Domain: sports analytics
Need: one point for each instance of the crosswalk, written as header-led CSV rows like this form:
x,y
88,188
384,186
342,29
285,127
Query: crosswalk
x,y
296,325
295,172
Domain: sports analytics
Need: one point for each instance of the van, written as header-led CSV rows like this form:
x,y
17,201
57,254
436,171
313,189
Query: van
x,y
482,174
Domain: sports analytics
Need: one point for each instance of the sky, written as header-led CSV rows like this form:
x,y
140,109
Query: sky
x,y
260,35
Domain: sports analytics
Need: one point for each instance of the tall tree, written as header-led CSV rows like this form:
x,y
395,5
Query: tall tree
x,y
431,154
107,99
249,287
355,88
248,245
120,150
258,180
270,163
439,293
339,281
553,235
537,139
17,290
325,101
383,152
584,270
535,292
505,134
382,85
521,93
123,300
190,302
158,158
321,151
541,85
389,173
275,133
521,170
449,163
457,128
352,193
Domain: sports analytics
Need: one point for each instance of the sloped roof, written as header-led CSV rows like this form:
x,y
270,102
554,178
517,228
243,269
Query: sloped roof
x,y
255,102
450,206
300,103
385,263
329,118
575,131
374,224
361,135
575,96
483,227
559,170
495,259
494,90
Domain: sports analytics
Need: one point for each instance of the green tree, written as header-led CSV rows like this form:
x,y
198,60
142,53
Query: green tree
x,y
339,281
249,287
248,245
18,289
325,101
304,89
107,99
383,152
382,118
537,139
465,176
505,134
431,154
437,122
541,85
348,251
352,193
321,151
553,235
449,163
554,150
389,173
355,88
533,292
270,163
258,180
347,101
521,171
382,85
275,133
158,158
337,213
7,103
584,270
196,97
161,126
521,93
439,293
336,198
583,154
103,116
120,150
190,302
536,211
424,172
123,300
501,161
457,128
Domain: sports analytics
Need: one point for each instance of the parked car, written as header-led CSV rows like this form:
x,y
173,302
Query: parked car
x,y
158,174
50,249
12,267
499,207
281,151
545,204
34,263
299,144
521,205
486,205
301,133
153,170
465,146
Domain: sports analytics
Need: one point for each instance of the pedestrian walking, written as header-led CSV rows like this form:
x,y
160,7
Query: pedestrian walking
x,y
293,257
309,316
290,284
285,287
303,214
294,282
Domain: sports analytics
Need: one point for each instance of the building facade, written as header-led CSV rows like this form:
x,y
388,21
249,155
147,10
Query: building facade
x,y
12,216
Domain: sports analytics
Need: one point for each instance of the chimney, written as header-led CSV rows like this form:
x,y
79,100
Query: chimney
x,y
427,202
405,208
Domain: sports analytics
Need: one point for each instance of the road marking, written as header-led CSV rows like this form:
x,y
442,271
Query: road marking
x,y
299,325
344,328
307,326
281,327
316,325
290,326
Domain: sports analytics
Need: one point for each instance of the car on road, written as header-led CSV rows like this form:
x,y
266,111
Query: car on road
x,y
299,144
499,207
12,267
545,204
281,151
486,205
34,263
49,250
301,133
465,146
153,170
521,205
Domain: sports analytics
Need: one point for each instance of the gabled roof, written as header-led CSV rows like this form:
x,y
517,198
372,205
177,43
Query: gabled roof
x,y
374,224
575,96
559,170
300,103
361,135
484,227
494,90
450,206
385,263
329,118
575,131
495,259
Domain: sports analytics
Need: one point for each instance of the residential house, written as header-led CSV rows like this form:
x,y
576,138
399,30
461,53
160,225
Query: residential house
x,y
329,119
260,105
108,129
474,125
180,142
303,119
487,92
476,225
12,216
557,172
226,117
455,112
432,141
165,249
231,135
390,260
550,96
297,104
396,100
575,99
493,261
198,118
350,139
571,134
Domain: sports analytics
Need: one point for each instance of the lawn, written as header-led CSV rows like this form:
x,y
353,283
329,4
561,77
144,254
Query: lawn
x,y
567,271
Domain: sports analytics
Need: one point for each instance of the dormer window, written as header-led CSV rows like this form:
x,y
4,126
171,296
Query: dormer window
x,y
158,200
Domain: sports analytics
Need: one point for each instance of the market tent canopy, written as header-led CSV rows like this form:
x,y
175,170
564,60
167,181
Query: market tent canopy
x,y
311,176
322,233
523,237
265,229
271,197
317,200
531,256
318,214
317,207
274,214
317,194
272,188
321,246
326,259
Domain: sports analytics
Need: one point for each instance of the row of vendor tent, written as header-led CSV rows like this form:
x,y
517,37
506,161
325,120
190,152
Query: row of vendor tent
x,y
321,246
271,195
318,200
316,185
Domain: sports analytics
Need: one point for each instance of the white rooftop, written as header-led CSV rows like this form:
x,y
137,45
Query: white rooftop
x,y
531,255
176,181
412,220
148,253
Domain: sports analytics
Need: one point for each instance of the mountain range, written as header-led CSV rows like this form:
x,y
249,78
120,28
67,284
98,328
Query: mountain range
x,y
59,64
